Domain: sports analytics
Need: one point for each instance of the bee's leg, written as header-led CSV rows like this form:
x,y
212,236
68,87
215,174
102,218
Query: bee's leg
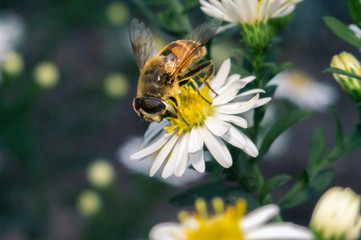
x,y
199,92
201,68
178,109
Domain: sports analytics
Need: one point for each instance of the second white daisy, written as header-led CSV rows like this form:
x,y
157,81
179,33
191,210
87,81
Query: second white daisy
x,y
178,142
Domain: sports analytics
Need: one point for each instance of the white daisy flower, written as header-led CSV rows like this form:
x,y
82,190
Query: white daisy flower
x,y
132,145
229,224
337,215
178,144
303,90
248,11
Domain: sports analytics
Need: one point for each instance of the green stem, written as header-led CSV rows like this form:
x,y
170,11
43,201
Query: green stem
x,y
182,18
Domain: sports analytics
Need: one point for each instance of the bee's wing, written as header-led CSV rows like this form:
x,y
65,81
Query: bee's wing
x,y
142,41
200,36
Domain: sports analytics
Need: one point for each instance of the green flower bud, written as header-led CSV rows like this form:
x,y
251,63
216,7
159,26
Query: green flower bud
x,y
347,62
256,36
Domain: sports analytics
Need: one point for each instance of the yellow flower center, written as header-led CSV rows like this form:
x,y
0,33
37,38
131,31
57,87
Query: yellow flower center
x,y
223,225
193,109
299,79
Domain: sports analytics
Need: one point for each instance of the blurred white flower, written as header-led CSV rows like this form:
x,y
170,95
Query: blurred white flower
x,y
337,215
13,63
132,145
89,202
11,31
229,224
46,74
247,11
116,85
178,142
100,173
304,91
356,30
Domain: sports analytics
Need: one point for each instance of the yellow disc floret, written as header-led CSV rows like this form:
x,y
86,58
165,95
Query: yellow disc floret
x,y
223,225
193,109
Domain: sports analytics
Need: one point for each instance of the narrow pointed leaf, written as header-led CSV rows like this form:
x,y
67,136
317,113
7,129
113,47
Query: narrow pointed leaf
x,y
273,183
342,31
342,72
280,126
317,148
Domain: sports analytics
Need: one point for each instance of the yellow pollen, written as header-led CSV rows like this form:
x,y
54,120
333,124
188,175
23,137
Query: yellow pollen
x,y
193,109
223,225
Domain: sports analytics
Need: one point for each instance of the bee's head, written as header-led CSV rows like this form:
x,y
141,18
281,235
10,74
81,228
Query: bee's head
x,y
152,109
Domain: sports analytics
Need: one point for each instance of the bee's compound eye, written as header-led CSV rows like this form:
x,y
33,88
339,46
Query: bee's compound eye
x,y
149,105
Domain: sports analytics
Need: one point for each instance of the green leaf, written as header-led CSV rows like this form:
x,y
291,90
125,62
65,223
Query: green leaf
x,y
354,7
189,5
342,72
280,126
245,53
206,191
270,90
273,183
306,189
339,132
317,148
342,31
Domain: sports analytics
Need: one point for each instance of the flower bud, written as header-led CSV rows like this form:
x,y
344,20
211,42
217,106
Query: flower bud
x,y
337,215
46,74
89,203
100,173
347,62
13,64
256,36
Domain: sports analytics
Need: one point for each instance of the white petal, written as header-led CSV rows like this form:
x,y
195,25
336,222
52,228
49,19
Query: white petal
x,y
182,160
228,94
217,148
195,141
153,147
162,155
230,80
167,231
217,126
280,231
249,79
225,27
253,91
258,217
238,107
197,161
170,165
153,130
262,102
221,76
240,140
236,120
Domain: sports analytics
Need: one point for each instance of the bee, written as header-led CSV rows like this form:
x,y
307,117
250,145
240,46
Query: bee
x,y
163,73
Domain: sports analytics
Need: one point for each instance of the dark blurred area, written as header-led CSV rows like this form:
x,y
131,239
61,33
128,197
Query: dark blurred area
x,y
55,123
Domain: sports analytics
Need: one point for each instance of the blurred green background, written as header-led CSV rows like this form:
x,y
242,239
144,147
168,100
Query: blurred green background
x,y
68,80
